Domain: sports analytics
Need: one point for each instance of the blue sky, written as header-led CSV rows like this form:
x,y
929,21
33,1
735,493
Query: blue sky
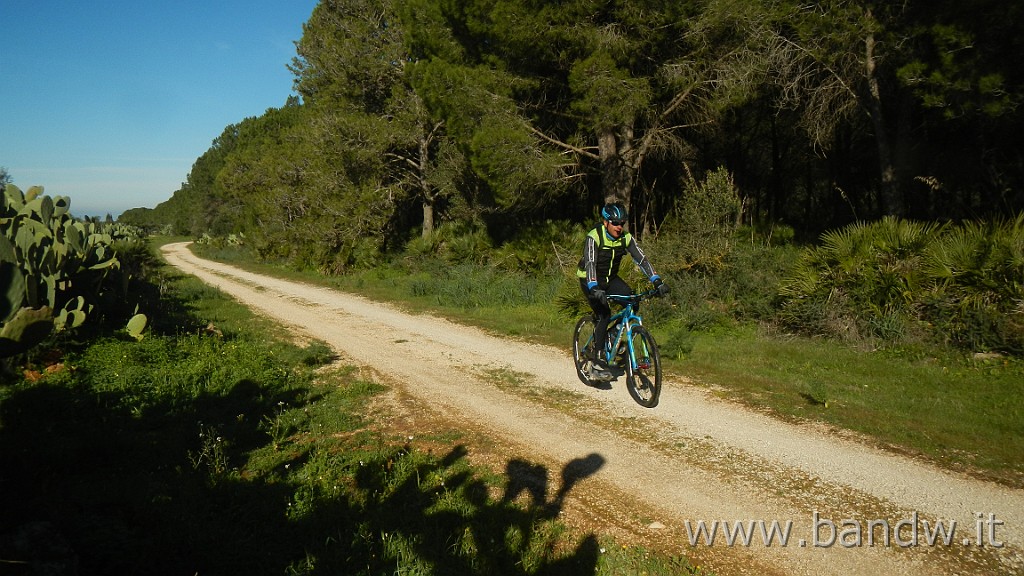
x,y
111,102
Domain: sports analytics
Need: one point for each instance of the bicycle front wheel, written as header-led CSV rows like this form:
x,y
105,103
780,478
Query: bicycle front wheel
x,y
582,343
643,371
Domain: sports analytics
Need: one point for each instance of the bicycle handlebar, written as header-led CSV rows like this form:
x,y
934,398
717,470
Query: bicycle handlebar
x,y
633,298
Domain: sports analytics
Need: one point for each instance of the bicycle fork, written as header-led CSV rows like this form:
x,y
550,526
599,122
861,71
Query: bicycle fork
x,y
637,359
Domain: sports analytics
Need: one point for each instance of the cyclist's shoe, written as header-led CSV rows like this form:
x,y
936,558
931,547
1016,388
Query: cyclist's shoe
x,y
598,371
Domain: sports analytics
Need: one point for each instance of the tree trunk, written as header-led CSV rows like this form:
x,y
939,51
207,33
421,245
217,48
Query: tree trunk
x,y
424,183
616,170
891,204
428,217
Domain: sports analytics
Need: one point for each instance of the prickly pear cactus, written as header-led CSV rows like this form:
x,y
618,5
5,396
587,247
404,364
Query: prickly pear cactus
x,y
136,325
28,327
48,262
12,281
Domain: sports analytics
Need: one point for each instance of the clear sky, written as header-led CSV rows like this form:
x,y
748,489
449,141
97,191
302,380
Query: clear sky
x,y
110,102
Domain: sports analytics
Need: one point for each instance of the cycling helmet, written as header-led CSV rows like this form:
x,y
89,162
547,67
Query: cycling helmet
x,y
615,212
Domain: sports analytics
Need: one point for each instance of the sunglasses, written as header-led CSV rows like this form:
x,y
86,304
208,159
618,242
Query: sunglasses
x,y
617,222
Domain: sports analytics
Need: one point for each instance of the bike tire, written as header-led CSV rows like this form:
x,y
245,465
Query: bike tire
x,y
643,370
582,339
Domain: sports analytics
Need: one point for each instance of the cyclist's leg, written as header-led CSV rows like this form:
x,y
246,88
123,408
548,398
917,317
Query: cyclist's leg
x,y
618,287
602,312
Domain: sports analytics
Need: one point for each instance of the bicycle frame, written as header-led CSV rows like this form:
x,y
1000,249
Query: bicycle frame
x,y
626,320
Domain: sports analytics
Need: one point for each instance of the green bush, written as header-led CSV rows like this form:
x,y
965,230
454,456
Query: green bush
x,y
452,242
743,286
976,291
699,233
860,279
902,282
541,248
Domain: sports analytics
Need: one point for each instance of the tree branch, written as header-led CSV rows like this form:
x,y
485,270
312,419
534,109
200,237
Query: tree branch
x,y
564,145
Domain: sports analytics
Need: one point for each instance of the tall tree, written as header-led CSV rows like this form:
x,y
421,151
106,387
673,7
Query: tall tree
x,y
353,68
511,168
262,178
825,60
198,205
608,84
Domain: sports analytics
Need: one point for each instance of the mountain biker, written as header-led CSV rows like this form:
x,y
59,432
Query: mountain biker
x,y
598,270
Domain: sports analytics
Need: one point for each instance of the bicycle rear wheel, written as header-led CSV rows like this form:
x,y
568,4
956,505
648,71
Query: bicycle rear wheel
x,y
582,342
643,370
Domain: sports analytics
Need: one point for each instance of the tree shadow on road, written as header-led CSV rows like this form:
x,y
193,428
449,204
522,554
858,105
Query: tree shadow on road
x,y
445,516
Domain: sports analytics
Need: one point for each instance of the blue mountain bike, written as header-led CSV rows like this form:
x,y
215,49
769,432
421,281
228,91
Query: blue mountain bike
x,y
629,349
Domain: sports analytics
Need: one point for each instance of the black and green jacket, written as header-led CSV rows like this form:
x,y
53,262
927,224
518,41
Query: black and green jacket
x,y
602,255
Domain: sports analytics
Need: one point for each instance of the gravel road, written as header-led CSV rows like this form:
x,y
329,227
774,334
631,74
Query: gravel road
x,y
694,458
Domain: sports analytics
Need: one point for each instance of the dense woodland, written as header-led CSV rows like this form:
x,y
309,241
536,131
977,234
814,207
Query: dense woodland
x,y
497,114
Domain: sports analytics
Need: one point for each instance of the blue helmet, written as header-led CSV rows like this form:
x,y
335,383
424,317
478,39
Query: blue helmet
x,y
614,212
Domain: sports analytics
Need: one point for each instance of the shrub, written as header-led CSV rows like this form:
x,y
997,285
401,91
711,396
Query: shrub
x,y
901,281
542,247
55,270
976,292
452,242
860,279
699,233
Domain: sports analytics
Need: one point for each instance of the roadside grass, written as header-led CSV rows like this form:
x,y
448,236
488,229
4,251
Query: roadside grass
x,y
218,446
957,411
962,413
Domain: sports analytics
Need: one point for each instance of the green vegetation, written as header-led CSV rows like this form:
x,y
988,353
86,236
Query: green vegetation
x,y
897,280
210,447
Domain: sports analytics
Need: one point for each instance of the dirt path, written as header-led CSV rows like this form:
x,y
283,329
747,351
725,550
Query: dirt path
x,y
693,458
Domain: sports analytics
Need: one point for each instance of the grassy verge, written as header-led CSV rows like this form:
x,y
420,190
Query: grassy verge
x,y
212,447
960,412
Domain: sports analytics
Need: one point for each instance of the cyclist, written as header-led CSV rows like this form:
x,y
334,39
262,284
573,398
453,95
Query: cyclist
x,y
598,270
